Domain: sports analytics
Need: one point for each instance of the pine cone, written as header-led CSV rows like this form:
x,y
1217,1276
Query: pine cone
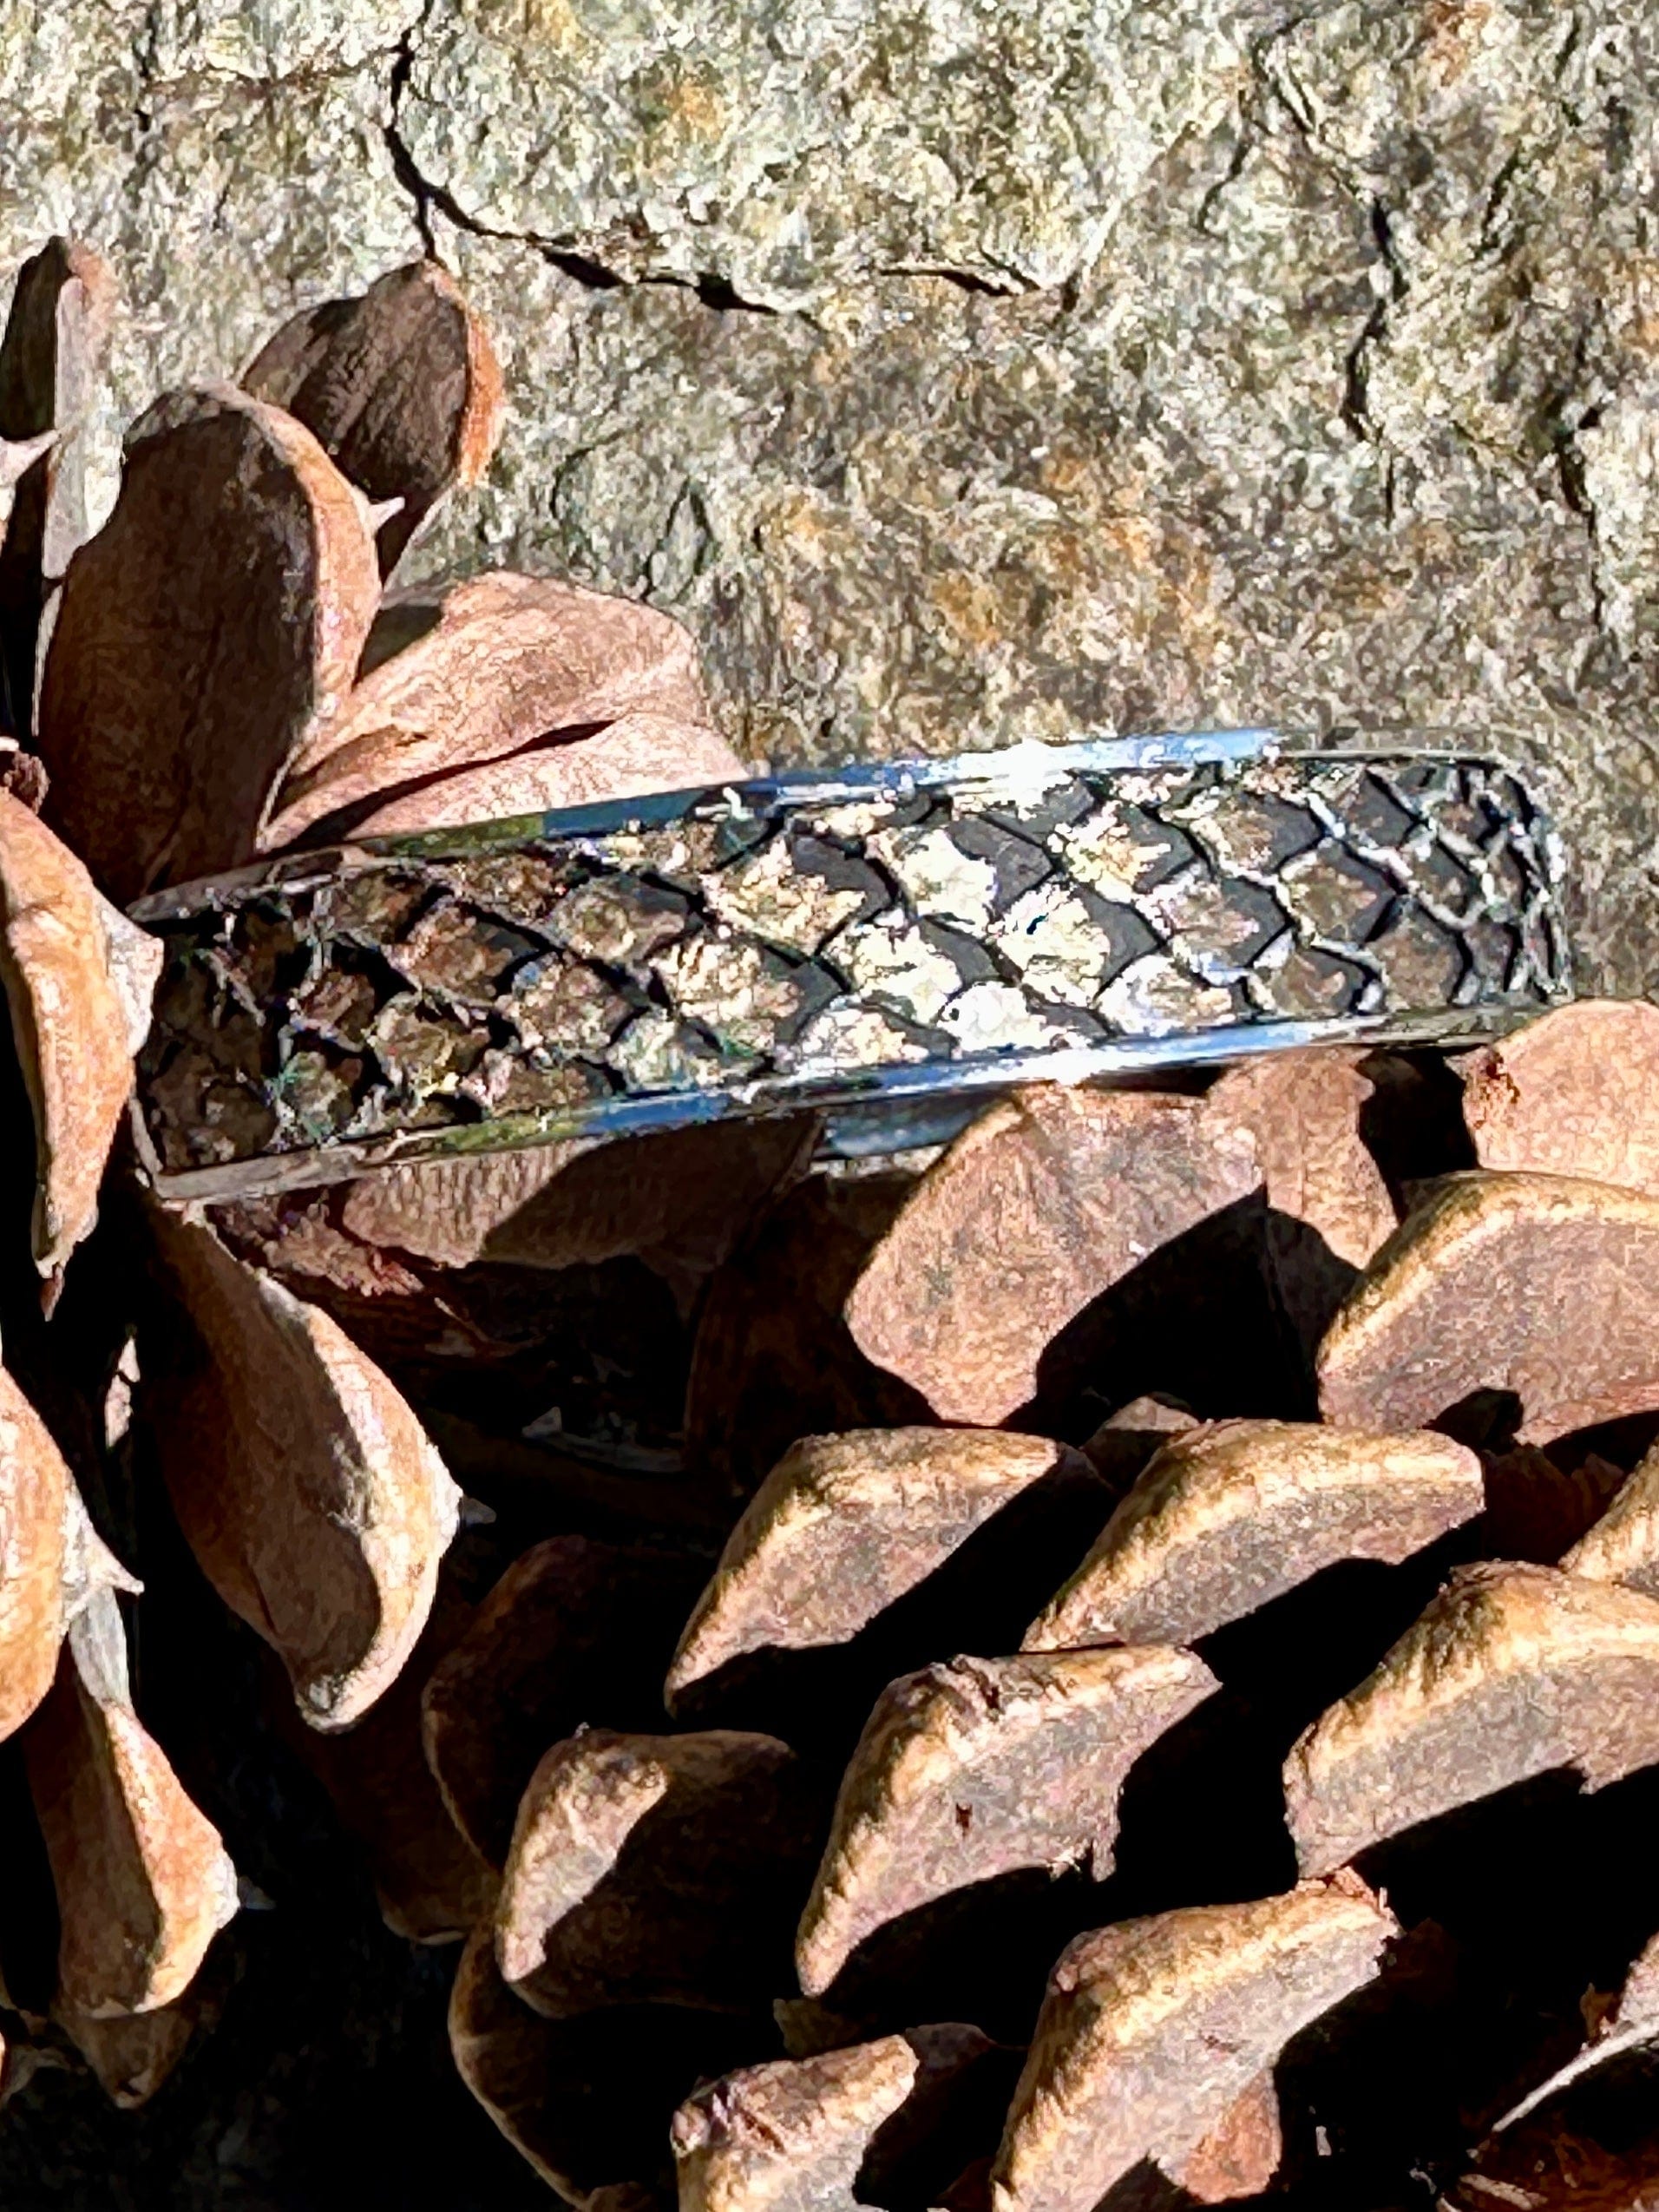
x,y
1115,1660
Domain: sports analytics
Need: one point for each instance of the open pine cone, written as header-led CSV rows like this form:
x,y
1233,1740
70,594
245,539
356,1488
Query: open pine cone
x,y
1117,1661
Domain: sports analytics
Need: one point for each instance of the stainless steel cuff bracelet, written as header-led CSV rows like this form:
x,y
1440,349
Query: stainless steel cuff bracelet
x,y
884,944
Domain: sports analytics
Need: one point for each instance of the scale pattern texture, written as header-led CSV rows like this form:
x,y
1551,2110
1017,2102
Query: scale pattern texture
x,y
791,947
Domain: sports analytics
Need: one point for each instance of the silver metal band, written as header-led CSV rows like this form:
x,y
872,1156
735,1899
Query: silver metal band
x,y
887,945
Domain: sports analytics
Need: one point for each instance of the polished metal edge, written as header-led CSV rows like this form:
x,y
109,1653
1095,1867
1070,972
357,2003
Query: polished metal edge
x,y
1032,760
897,1105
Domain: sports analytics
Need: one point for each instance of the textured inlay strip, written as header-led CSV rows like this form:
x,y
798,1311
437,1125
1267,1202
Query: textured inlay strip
x,y
776,944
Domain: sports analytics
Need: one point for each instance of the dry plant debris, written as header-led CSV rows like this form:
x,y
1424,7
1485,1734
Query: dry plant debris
x,y
1153,2030
1554,2167
1125,1440
401,387
514,694
804,2135
1532,1284
432,1886
164,742
507,2057
56,1567
449,1211
18,456
143,1878
843,1526
573,1628
1513,1671
1241,2154
35,1494
51,358
78,978
1047,1200
774,1359
1537,1510
1234,1514
586,2102
636,753
652,1870
679,1200
1628,2022
973,1767
1572,1094
1623,1544
306,1486
1328,1207
131,2056
1303,1109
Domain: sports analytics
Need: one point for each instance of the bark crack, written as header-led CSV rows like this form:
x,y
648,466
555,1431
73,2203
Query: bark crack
x,y
1356,367
1575,490
712,289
